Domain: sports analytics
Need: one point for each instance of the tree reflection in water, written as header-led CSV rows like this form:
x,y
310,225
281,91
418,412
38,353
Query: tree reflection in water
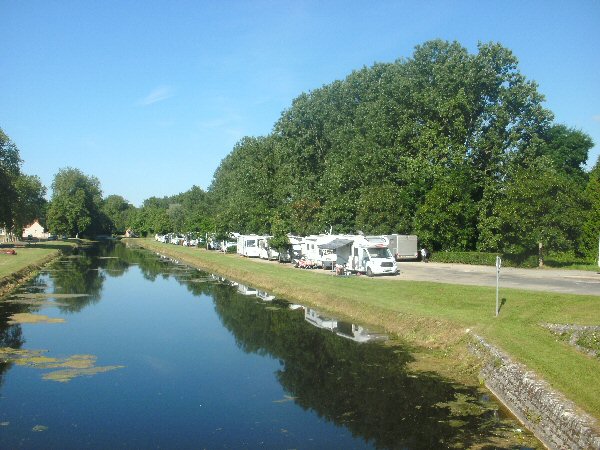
x,y
364,387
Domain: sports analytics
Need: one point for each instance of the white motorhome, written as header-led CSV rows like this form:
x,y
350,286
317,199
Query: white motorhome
x,y
335,250
265,251
295,251
248,245
309,250
371,255
319,249
403,246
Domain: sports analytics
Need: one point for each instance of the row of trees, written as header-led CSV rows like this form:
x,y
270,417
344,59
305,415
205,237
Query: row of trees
x,y
453,146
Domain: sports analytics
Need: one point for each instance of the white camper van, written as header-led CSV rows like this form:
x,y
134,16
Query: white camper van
x,y
310,250
248,245
371,255
265,251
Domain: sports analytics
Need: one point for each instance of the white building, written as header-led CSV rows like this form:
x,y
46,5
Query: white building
x,y
35,230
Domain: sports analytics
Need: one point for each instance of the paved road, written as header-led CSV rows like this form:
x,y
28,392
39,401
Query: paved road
x,y
550,280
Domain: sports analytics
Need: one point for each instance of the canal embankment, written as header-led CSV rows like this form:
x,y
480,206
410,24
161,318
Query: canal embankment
x,y
21,266
562,404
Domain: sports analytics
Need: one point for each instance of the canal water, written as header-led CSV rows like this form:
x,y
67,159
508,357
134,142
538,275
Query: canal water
x,y
113,347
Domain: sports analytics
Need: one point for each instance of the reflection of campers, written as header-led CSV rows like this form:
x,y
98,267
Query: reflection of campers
x,y
371,255
246,290
247,245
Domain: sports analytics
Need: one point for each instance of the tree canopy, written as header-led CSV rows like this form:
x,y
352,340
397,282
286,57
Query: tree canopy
x,y
21,196
10,169
442,143
75,207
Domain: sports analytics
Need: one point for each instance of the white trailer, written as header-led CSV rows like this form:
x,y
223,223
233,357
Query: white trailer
x,y
403,246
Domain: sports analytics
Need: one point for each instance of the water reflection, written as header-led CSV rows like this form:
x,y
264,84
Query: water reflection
x,y
366,387
346,330
338,371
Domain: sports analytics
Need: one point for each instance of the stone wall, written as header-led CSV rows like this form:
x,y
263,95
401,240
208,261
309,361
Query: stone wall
x,y
555,421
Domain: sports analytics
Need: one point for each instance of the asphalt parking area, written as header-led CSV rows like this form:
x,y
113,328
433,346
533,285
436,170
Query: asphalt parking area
x,y
549,280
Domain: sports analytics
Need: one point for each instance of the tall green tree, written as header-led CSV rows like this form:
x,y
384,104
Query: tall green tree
x,y
243,187
568,148
590,223
538,204
118,212
31,203
10,169
75,207
447,219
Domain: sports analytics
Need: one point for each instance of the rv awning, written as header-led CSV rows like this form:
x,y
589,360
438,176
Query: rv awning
x,y
336,243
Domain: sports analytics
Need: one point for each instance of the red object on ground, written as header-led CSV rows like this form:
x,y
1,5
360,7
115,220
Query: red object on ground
x,y
9,252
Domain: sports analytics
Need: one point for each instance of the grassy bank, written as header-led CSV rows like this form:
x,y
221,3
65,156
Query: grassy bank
x,y
434,315
26,259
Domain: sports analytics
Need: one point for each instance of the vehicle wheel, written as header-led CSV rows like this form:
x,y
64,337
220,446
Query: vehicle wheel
x,y
369,272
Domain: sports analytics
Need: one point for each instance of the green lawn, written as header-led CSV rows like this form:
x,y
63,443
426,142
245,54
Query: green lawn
x,y
27,256
436,315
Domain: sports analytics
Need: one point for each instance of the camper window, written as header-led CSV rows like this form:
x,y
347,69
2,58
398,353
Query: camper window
x,y
380,253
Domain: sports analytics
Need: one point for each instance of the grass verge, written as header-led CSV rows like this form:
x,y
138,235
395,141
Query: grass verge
x,y
435,315
13,268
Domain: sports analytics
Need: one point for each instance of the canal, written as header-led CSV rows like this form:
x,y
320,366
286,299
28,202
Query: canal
x,y
112,347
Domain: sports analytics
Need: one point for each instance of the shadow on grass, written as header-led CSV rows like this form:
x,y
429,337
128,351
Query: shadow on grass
x,y
572,263
502,303
50,245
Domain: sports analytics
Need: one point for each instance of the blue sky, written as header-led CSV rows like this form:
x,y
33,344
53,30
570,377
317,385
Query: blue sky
x,y
149,96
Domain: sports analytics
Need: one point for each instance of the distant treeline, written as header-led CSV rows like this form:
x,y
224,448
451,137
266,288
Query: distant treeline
x,y
454,147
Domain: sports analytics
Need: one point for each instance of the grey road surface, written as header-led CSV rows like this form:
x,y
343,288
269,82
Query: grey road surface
x,y
549,280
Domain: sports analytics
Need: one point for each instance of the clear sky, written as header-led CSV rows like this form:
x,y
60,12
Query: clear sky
x,y
149,96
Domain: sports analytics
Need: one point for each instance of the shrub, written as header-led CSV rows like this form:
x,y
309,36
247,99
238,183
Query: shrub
x,y
484,259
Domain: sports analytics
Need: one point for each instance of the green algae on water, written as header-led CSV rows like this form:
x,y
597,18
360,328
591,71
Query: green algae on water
x,y
66,375
44,295
71,367
33,318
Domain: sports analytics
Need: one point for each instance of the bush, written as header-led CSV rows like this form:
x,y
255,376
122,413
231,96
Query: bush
x,y
555,260
570,260
484,259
